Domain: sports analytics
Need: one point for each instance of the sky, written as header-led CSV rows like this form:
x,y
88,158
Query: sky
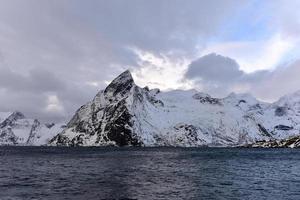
x,y
55,55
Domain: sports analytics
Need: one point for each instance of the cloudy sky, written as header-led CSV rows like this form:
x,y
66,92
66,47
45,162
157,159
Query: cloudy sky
x,y
56,54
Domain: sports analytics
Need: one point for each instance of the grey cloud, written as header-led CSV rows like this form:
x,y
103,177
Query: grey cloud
x,y
156,25
93,27
220,75
37,80
29,93
279,82
255,76
214,68
56,47
30,104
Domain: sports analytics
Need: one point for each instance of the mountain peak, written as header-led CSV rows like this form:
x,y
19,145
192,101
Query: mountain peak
x,y
12,118
17,115
126,73
123,77
291,98
121,84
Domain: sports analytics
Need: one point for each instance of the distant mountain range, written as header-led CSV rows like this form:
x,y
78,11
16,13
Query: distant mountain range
x,y
124,114
16,129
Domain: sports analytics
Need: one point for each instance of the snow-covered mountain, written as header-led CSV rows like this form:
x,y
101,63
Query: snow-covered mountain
x,y
16,129
126,114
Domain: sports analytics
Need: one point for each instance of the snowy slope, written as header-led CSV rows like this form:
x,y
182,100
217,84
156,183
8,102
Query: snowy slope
x,y
16,129
125,114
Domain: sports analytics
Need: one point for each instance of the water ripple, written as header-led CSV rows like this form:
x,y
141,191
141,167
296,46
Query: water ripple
x,y
149,173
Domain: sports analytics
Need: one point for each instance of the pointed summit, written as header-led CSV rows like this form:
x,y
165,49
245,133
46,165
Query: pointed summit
x,y
122,84
12,118
123,77
17,115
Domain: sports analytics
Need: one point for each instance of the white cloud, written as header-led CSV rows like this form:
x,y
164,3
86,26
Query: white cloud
x,y
160,71
93,83
256,55
54,105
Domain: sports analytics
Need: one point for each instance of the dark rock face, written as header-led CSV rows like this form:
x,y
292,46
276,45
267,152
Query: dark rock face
x,y
242,101
255,107
118,128
154,101
61,140
121,85
155,91
49,125
185,134
263,130
33,131
107,118
207,99
8,136
190,131
283,127
280,111
292,142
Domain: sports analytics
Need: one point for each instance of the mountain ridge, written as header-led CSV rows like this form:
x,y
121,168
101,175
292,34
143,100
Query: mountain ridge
x,y
124,114
16,129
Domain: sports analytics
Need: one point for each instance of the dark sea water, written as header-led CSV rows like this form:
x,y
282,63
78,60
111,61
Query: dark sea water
x,y
148,173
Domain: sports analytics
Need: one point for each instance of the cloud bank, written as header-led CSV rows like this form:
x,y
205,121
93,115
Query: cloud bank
x,y
221,75
56,54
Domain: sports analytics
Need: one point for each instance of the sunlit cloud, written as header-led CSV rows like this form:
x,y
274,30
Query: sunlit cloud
x,y
256,55
54,105
160,71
